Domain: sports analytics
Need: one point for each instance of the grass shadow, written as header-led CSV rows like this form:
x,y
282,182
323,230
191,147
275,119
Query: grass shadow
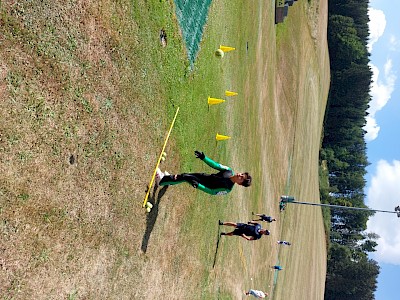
x,y
152,216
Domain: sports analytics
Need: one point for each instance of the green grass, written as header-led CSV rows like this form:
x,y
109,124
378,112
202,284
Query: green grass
x,y
91,81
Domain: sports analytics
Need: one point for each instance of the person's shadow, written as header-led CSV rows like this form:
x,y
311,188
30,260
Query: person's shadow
x,y
217,247
152,215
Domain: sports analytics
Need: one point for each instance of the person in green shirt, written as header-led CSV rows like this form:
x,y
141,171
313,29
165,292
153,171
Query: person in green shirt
x,y
219,183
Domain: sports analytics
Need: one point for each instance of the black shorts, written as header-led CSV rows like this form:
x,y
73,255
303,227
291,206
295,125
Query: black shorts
x,y
266,218
239,230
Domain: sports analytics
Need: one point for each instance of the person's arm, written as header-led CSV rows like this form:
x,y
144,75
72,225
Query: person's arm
x,y
211,163
212,191
201,187
249,238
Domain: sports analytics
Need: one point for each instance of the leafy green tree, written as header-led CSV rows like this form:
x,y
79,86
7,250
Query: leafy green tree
x,y
350,274
342,36
349,278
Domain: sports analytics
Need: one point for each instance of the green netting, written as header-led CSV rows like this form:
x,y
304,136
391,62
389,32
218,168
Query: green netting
x,y
192,15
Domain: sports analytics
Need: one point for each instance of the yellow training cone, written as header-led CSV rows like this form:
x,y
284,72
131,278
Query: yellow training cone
x,y
226,48
212,101
229,93
221,137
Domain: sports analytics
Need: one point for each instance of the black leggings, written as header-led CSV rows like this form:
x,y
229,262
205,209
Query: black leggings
x,y
185,177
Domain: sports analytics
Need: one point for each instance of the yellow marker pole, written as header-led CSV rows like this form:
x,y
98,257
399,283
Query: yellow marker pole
x,y
159,159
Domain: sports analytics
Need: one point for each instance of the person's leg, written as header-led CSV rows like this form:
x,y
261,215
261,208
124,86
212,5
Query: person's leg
x,y
237,230
170,180
228,234
229,224
251,292
184,177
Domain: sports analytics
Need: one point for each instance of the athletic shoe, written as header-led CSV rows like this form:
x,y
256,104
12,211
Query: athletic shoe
x,y
220,222
159,175
166,173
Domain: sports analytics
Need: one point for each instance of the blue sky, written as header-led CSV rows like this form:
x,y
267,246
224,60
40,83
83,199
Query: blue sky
x,y
383,142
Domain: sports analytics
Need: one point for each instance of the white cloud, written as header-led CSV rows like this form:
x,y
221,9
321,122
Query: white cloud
x,y
371,128
377,25
384,194
388,68
381,92
394,43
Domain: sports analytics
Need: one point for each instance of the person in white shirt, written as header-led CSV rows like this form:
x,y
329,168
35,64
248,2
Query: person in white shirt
x,y
284,243
257,294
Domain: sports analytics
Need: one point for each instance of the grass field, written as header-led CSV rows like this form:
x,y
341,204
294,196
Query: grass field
x,y
87,95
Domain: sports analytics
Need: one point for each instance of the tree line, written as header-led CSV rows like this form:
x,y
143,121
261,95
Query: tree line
x,y
350,273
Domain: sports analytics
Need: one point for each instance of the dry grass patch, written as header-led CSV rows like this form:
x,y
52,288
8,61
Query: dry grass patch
x,y
70,148
88,94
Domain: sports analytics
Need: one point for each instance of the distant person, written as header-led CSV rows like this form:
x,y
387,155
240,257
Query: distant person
x,y
282,206
219,183
250,231
276,267
257,294
284,243
263,217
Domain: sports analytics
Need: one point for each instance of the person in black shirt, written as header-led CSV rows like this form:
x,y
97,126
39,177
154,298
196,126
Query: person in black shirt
x,y
250,231
284,243
264,217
